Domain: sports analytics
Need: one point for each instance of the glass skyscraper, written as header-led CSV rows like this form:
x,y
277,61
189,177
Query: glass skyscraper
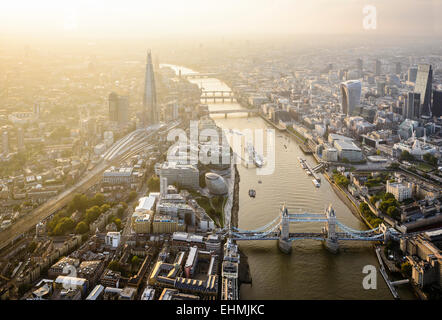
x,y
413,105
113,106
424,81
378,68
150,113
351,95
436,107
118,108
412,73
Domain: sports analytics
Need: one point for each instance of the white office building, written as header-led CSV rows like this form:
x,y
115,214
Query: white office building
x,y
184,175
113,239
348,150
330,154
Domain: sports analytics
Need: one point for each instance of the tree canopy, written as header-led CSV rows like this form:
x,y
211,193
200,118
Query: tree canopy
x,y
135,260
63,226
132,196
81,228
405,155
114,265
428,157
92,214
406,269
153,184
341,180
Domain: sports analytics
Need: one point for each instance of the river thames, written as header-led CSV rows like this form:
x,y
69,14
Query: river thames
x,y
310,271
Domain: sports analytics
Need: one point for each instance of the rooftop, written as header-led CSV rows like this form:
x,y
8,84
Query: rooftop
x,y
146,203
345,145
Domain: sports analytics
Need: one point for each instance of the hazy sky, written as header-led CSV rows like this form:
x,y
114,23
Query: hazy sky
x,y
192,17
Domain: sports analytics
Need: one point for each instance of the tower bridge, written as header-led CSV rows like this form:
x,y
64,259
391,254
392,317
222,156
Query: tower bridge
x,y
331,234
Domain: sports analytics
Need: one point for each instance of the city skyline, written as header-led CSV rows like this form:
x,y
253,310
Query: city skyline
x,y
220,152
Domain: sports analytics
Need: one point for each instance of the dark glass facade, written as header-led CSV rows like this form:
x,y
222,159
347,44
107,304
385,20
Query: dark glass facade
x,y
424,80
436,108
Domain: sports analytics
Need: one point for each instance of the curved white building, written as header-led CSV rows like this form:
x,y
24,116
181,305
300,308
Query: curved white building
x,y
216,184
351,95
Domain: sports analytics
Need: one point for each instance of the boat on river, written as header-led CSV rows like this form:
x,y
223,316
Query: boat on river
x,y
316,183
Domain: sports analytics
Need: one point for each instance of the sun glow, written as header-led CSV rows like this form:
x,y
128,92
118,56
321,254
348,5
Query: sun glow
x,y
154,17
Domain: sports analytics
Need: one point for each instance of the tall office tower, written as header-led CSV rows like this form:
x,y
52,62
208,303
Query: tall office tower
x,y
20,139
90,127
150,113
118,108
413,105
342,74
113,106
398,68
359,64
380,88
5,143
424,82
436,107
412,73
37,109
353,75
378,68
123,110
351,95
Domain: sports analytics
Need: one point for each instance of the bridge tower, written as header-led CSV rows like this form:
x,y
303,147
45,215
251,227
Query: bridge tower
x,y
385,230
284,243
331,242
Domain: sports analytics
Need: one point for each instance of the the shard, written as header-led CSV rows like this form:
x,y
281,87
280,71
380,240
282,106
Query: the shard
x,y
150,113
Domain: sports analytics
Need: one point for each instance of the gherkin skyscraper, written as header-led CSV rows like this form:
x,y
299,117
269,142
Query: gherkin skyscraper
x,y
150,113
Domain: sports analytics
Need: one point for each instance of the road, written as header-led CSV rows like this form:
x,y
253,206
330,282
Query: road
x,y
127,227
